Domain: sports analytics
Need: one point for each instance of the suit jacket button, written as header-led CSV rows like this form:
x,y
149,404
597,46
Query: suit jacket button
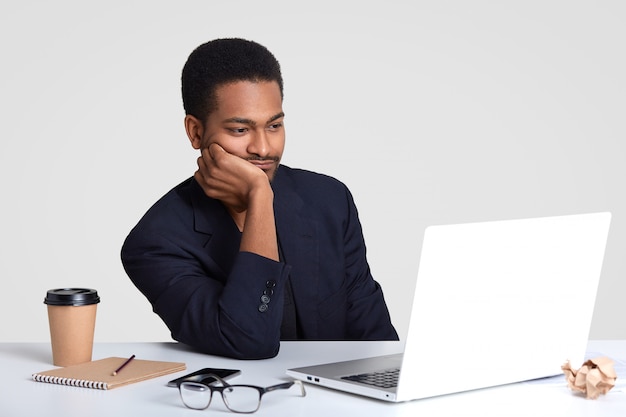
x,y
263,308
265,299
270,283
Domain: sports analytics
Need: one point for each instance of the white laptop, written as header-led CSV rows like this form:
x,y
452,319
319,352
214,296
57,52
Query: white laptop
x,y
495,303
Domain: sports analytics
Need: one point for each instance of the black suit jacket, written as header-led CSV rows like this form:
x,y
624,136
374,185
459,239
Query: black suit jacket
x,y
184,256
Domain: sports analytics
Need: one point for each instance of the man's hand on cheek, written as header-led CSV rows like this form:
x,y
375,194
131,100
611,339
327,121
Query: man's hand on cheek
x,y
227,177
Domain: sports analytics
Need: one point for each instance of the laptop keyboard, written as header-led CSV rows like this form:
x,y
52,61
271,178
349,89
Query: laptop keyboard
x,y
387,378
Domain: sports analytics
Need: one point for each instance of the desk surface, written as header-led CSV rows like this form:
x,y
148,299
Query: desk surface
x,y
20,395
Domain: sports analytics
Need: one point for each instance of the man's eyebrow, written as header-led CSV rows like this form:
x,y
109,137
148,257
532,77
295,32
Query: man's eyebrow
x,y
276,117
251,122
241,120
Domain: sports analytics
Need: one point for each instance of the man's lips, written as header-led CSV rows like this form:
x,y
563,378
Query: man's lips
x,y
264,164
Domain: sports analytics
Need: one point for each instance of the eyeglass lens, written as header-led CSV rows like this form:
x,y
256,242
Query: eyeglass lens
x,y
242,399
194,395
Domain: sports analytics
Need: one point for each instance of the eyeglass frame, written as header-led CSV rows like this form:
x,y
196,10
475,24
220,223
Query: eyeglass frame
x,y
224,385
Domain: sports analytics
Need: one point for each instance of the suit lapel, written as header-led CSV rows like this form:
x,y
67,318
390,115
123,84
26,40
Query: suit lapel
x,y
298,238
221,236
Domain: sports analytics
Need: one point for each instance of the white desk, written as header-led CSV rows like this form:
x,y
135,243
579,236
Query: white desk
x,y
20,396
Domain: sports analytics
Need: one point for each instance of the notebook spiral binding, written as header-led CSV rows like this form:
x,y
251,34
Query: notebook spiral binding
x,y
69,381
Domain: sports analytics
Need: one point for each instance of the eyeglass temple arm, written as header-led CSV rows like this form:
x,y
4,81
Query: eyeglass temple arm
x,y
218,379
286,385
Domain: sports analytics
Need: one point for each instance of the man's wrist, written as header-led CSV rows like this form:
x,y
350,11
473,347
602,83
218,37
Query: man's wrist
x,y
261,190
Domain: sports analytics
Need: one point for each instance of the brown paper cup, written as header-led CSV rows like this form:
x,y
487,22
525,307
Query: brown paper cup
x,y
71,333
72,325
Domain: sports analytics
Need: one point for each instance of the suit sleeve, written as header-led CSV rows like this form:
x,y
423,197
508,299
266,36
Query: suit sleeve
x,y
219,315
368,317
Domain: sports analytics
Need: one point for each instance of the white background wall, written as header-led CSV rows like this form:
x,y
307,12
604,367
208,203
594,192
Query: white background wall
x,y
431,112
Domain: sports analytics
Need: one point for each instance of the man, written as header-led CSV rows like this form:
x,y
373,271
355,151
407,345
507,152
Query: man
x,y
249,252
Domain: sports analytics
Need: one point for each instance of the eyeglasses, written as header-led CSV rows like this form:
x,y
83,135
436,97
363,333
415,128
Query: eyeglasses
x,y
237,398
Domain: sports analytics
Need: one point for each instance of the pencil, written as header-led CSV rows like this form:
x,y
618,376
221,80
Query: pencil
x,y
123,365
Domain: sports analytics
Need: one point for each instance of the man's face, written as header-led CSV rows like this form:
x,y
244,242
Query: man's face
x,y
248,123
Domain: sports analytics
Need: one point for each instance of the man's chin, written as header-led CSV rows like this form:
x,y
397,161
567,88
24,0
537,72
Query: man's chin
x,y
271,174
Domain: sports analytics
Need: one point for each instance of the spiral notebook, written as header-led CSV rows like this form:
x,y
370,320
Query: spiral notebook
x,y
99,374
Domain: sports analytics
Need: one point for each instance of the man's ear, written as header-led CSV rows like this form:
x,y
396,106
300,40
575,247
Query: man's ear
x,y
195,131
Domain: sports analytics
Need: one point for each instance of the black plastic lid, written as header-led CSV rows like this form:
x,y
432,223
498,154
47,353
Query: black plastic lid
x,y
71,297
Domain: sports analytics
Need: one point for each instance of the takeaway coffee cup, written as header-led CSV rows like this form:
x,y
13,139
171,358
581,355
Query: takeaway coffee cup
x,y
72,317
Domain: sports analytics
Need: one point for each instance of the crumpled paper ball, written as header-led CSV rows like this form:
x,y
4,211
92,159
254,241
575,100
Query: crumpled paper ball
x,y
595,377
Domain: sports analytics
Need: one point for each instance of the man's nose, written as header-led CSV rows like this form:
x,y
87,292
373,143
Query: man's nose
x,y
259,144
